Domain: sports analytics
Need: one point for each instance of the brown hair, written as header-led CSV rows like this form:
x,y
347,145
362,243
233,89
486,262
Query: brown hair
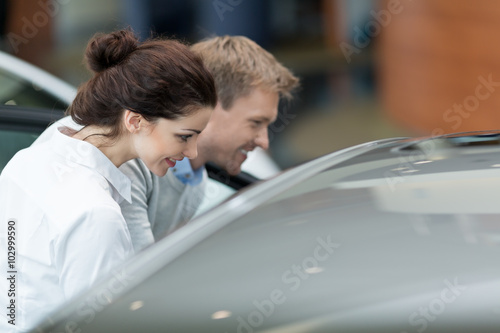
x,y
158,78
238,65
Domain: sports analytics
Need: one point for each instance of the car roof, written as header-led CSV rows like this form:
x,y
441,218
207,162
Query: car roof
x,y
38,77
349,241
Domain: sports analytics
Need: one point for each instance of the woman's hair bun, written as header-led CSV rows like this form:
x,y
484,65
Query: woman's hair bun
x,y
107,50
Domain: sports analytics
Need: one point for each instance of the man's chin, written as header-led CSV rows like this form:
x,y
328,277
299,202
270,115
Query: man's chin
x,y
233,168
234,172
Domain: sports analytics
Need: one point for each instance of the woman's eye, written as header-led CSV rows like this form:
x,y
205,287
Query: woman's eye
x,y
185,137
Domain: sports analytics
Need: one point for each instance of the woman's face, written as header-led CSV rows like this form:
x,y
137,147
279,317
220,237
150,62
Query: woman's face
x,y
165,141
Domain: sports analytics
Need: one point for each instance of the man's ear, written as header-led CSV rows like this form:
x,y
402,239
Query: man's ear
x,y
132,121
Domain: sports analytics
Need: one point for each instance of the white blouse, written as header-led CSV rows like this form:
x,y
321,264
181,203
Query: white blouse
x,y
60,213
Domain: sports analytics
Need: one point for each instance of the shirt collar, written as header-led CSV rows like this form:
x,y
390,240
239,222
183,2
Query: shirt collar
x,y
83,153
185,173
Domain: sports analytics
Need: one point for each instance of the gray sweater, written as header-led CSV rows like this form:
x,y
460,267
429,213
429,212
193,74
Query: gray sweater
x,y
159,205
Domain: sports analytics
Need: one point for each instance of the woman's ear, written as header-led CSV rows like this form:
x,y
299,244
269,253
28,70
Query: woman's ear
x,y
133,121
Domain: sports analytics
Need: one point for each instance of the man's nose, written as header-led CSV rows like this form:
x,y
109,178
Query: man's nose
x,y
262,139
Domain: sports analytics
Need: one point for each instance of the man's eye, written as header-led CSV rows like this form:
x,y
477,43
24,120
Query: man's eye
x,y
257,122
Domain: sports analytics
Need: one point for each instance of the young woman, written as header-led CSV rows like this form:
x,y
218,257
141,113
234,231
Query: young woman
x,y
59,200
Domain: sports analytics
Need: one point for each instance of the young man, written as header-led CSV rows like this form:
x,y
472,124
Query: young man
x,y
249,83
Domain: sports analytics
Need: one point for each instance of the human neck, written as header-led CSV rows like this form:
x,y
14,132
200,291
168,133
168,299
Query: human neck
x,y
118,150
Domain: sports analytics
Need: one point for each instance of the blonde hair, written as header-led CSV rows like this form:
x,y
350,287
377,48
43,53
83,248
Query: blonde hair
x,y
239,65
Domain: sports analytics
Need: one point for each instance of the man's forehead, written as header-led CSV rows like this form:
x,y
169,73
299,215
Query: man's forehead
x,y
258,104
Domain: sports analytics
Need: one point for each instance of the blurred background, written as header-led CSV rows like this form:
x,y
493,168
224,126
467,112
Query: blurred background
x,y
369,69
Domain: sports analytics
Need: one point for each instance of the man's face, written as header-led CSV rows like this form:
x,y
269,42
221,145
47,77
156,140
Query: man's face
x,y
231,134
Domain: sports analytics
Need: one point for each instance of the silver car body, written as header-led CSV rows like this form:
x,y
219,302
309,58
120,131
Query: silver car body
x,y
396,235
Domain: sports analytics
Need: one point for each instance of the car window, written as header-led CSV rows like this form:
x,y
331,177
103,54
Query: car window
x,y
17,91
11,142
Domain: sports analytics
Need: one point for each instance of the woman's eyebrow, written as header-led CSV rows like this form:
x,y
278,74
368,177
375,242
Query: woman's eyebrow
x,y
192,130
